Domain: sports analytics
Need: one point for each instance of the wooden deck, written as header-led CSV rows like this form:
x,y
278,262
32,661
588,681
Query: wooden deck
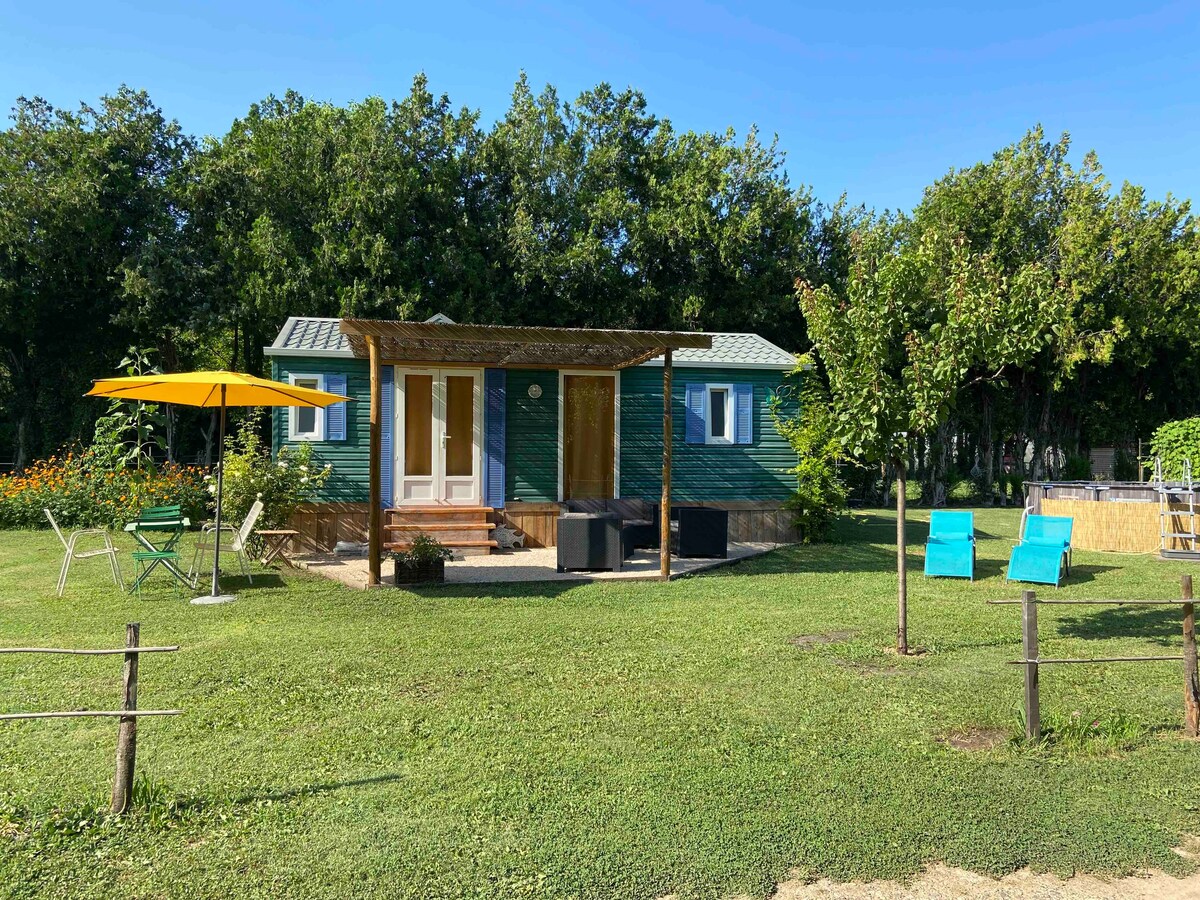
x,y
536,564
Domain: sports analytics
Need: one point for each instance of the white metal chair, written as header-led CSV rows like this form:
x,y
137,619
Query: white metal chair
x,y
72,553
237,544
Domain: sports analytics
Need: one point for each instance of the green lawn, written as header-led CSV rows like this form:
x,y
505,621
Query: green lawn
x,y
606,740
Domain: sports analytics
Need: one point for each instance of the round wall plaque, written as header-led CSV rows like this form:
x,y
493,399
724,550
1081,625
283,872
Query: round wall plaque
x,y
535,391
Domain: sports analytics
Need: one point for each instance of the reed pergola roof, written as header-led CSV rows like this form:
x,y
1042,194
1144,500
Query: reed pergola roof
x,y
515,346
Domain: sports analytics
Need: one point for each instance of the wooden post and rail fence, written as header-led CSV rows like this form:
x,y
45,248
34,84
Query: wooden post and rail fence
x,y
128,714
1032,661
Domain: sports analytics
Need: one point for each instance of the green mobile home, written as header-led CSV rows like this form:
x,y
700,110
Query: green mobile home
x,y
513,422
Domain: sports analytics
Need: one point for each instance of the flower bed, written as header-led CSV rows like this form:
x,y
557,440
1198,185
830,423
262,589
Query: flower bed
x,y
83,493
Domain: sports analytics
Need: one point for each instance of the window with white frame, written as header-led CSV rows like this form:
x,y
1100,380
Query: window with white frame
x,y
306,423
718,414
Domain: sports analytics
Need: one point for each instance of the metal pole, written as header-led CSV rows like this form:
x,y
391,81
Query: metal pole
x,y
216,596
216,590
1029,645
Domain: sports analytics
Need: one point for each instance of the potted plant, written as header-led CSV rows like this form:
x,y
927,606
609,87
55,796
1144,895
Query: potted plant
x,y
424,561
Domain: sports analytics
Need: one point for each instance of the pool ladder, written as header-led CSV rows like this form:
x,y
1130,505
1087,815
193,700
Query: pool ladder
x,y
1167,517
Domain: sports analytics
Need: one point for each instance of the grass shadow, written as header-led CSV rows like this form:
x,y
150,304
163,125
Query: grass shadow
x,y
849,557
315,790
506,590
1084,574
268,581
1160,624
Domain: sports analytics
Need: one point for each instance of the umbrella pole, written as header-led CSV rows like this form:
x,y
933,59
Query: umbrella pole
x,y
216,596
216,589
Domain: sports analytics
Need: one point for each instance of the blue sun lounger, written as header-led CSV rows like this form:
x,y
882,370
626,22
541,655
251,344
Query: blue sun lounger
x,y
1044,553
950,550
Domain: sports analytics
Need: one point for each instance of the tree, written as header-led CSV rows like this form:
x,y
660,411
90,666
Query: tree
x,y
1119,362
920,311
373,209
807,425
88,254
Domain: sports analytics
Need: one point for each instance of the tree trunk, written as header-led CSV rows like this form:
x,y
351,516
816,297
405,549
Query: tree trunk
x,y
986,455
169,419
21,457
901,559
209,434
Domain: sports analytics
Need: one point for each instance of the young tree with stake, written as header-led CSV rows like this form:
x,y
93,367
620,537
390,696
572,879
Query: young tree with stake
x,y
922,315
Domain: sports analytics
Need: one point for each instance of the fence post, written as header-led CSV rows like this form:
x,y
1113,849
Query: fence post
x,y
1191,679
1029,643
122,792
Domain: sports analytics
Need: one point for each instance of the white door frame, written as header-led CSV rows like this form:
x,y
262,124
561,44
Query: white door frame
x,y
437,488
562,408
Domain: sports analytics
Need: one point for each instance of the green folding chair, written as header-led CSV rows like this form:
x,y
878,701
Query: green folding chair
x,y
145,560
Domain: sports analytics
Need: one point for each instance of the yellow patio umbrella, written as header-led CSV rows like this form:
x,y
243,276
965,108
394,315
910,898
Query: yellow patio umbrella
x,y
217,390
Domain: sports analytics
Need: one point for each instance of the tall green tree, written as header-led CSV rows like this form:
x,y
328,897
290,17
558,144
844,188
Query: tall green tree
x,y
373,209
89,254
609,217
1118,362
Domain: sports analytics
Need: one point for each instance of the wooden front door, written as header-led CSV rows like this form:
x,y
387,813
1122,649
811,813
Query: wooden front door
x,y
440,424
589,444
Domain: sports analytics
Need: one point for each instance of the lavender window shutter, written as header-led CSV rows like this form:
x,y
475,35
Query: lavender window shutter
x,y
494,387
693,432
335,415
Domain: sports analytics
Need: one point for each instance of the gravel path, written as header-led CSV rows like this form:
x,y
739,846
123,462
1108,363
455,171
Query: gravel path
x,y
944,883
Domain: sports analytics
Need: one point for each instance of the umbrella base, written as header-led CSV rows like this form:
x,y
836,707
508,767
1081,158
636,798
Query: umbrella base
x,y
209,599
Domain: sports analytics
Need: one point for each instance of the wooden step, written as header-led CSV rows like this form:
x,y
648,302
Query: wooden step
x,y
452,534
416,515
464,530
441,526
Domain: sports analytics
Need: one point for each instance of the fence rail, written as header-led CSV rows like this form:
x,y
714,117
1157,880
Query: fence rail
x,y
125,651
1033,662
122,791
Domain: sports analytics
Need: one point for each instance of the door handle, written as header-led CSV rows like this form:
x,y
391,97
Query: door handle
x,y
445,438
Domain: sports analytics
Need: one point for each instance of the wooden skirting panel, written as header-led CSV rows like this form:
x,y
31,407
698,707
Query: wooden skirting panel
x,y
1112,525
749,520
758,521
321,525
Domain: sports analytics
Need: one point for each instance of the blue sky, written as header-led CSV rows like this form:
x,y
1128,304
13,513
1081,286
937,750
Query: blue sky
x,y
876,99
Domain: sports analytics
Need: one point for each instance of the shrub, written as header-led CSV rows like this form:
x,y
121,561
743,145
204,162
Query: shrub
x,y
83,491
963,492
282,483
423,550
1077,467
820,492
1125,466
1173,443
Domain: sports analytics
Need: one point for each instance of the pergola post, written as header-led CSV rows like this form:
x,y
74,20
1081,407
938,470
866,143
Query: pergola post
x,y
664,516
375,512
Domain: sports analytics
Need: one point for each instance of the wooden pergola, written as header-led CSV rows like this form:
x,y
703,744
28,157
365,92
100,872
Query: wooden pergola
x,y
514,347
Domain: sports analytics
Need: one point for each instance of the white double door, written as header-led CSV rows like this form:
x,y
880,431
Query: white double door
x,y
439,419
